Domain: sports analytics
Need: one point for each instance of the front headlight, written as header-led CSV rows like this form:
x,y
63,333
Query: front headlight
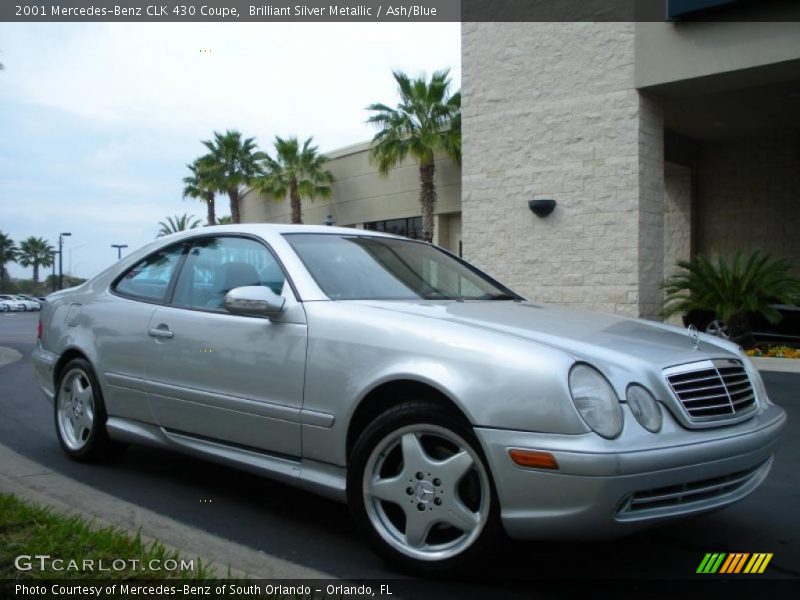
x,y
644,407
595,400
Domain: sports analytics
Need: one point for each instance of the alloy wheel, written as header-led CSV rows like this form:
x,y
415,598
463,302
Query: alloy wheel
x,y
426,492
76,410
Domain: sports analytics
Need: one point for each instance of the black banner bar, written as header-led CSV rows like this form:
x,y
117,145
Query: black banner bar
x,y
396,10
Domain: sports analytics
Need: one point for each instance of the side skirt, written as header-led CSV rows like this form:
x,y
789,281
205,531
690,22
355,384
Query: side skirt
x,y
317,477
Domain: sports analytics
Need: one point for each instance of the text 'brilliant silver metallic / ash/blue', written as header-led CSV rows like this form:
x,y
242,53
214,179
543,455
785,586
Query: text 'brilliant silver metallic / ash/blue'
x,y
390,374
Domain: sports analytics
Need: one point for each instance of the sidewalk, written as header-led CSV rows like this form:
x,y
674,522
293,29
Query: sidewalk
x,y
777,365
31,481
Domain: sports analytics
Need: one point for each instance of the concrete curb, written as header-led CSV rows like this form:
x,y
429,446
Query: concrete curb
x,y
777,365
8,356
31,481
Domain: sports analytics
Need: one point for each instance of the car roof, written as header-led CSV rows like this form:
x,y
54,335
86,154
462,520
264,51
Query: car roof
x,y
267,229
261,229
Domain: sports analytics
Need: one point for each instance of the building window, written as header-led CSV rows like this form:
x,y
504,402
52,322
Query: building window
x,y
410,227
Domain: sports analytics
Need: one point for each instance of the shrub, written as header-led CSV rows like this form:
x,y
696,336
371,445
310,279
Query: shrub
x,y
733,292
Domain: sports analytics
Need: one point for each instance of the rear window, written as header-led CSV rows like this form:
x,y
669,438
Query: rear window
x,y
149,279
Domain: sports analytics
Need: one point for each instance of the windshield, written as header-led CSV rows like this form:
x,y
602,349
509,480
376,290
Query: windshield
x,y
353,267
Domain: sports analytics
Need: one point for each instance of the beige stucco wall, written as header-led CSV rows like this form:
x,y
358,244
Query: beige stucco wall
x,y
673,52
360,195
749,198
550,110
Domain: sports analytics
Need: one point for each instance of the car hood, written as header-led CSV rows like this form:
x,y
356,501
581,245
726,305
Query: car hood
x,y
582,334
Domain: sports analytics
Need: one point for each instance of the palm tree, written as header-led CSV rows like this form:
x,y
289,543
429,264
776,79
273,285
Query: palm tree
x,y
732,292
8,253
178,223
235,163
226,220
35,252
202,184
427,120
297,171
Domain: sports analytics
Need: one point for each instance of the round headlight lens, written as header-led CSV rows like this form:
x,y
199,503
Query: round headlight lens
x,y
595,400
644,407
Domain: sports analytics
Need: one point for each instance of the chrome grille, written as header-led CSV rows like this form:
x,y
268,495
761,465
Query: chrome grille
x,y
712,389
694,492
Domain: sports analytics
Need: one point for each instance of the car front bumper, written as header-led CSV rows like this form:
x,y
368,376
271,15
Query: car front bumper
x,y
606,488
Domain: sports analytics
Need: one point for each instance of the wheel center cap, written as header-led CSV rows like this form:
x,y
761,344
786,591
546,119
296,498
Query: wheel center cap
x,y
425,491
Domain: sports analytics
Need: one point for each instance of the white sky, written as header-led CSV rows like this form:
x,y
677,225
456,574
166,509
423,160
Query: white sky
x,y
97,121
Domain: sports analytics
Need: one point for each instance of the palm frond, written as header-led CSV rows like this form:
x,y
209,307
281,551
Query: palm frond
x,y
732,290
177,223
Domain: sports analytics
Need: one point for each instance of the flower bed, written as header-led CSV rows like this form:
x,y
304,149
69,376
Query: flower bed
x,y
774,352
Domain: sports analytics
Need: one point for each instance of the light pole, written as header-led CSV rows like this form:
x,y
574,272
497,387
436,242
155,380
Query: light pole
x,y
119,248
53,256
61,237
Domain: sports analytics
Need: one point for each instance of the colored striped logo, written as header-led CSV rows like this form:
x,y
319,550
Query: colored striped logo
x,y
734,562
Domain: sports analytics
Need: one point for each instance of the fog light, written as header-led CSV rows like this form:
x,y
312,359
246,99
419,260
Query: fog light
x,y
644,407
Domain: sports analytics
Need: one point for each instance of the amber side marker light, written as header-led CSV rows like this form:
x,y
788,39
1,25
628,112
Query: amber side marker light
x,y
533,459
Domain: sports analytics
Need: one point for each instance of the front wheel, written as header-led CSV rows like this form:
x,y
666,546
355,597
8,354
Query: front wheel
x,y
419,489
80,415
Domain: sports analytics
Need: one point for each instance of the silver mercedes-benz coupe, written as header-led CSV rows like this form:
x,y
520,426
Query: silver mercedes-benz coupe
x,y
443,407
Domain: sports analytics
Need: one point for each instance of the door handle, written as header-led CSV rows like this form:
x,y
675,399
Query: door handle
x,y
162,331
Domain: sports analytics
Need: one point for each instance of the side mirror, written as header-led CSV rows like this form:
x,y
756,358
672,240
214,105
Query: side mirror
x,y
254,301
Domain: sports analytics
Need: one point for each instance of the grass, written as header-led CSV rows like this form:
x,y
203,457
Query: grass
x,y
29,530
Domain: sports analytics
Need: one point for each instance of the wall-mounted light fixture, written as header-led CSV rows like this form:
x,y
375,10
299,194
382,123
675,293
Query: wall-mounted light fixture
x,y
329,221
542,207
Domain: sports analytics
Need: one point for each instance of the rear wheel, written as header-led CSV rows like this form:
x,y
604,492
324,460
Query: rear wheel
x,y
80,414
419,488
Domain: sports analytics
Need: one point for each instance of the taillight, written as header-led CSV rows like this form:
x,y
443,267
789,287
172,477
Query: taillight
x,y
39,330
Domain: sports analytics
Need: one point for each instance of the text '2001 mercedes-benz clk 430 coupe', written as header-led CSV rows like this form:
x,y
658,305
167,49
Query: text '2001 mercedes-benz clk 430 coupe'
x,y
444,408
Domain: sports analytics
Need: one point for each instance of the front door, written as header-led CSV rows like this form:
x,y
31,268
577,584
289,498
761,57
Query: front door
x,y
224,377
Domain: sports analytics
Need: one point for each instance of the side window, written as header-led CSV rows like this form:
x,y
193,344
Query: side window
x,y
214,266
150,278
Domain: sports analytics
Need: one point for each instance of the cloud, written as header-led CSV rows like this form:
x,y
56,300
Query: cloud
x,y
100,119
193,78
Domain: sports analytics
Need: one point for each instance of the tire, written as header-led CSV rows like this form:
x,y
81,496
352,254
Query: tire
x,y
437,510
80,415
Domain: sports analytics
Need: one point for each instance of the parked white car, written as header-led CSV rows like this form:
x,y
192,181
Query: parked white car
x,y
28,302
13,303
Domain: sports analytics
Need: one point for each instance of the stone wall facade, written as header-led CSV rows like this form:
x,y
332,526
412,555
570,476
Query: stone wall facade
x,y
749,198
551,111
677,215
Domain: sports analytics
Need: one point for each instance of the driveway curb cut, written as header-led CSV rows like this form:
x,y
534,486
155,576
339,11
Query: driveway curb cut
x,y
31,481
